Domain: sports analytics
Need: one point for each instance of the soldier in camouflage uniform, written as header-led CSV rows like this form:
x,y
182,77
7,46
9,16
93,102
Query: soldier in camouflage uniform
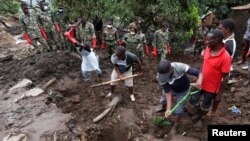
x,y
110,38
144,47
85,33
62,20
133,41
29,25
200,38
160,42
135,23
45,21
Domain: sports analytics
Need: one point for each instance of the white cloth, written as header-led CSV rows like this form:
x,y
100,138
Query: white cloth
x,y
89,61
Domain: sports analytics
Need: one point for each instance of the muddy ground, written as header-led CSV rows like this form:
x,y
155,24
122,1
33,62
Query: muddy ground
x,y
65,111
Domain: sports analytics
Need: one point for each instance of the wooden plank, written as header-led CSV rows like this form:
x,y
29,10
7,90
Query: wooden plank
x,y
111,106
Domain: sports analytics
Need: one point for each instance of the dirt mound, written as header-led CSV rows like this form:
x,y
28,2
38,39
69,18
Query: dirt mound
x,y
6,40
39,67
130,120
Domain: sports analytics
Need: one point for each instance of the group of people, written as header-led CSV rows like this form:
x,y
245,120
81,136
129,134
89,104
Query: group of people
x,y
218,48
42,27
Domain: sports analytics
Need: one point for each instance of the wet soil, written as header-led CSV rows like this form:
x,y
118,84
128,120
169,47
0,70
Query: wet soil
x,y
70,104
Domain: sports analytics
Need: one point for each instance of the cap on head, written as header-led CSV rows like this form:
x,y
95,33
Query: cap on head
x,y
164,68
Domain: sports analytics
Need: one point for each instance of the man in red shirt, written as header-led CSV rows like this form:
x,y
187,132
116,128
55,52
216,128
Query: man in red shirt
x,y
214,76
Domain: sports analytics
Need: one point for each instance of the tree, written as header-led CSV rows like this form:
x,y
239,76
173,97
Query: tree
x,y
9,7
220,7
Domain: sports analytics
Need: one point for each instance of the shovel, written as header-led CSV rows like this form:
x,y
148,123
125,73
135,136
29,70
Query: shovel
x,y
161,121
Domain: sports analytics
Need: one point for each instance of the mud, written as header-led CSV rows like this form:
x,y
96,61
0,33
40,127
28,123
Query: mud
x,y
66,110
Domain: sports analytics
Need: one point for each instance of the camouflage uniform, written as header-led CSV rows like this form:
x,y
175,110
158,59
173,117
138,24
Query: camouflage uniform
x,y
85,33
143,42
29,25
110,36
45,19
161,39
200,39
133,43
62,19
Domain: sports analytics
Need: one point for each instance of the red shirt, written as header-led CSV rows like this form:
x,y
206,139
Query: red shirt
x,y
213,68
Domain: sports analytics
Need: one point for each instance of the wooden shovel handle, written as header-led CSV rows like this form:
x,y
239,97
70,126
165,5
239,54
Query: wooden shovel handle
x,y
108,82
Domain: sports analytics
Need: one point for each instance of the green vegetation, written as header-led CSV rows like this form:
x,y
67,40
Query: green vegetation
x,y
9,7
183,15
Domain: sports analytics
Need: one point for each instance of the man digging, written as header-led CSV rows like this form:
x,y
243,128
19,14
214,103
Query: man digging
x,y
123,61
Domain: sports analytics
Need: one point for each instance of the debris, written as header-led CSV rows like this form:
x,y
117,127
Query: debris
x,y
232,81
235,110
33,92
55,136
51,81
111,106
184,133
245,67
21,84
15,137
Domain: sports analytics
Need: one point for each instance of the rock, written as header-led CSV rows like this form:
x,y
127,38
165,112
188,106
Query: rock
x,y
75,99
